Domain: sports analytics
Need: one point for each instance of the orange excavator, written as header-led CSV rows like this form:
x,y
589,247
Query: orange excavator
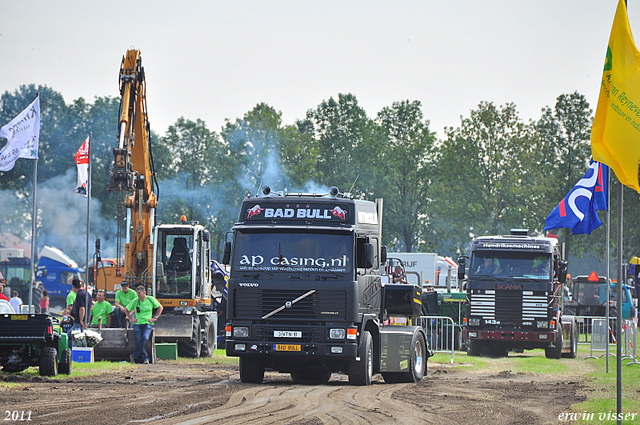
x,y
172,261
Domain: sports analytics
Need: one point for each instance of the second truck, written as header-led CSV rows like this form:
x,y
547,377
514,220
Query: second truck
x,y
513,288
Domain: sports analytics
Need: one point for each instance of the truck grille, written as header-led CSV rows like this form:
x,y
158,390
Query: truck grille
x,y
509,305
256,303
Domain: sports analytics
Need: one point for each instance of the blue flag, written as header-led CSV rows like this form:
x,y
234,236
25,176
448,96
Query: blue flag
x,y
578,210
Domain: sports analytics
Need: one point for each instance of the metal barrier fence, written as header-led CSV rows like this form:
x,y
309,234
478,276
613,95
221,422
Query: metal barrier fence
x,y
595,332
440,332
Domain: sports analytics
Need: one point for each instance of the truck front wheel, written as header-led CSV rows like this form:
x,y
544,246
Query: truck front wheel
x,y
48,361
251,370
474,348
361,373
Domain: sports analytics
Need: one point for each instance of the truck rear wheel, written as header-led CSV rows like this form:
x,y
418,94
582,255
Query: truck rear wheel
x,y
208,338
418,363
251,370
555,352
192,347
361,373
65,362
48,361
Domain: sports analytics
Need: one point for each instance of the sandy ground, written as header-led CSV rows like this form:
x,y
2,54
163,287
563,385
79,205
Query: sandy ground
x,y
211,393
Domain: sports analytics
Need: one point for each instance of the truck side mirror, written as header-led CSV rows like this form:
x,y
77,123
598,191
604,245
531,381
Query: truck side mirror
x,y
461,267
369,255
226,257
206,236
383,254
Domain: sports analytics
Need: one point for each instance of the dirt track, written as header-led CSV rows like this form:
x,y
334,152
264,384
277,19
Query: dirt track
x,y
182,393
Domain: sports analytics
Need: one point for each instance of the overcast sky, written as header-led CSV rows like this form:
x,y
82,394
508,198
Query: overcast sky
x,y
215,60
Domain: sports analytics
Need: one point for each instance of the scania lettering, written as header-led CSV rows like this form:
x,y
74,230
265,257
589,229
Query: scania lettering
x,y
306,297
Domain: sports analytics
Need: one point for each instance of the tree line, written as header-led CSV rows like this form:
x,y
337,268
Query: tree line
x,y
492,173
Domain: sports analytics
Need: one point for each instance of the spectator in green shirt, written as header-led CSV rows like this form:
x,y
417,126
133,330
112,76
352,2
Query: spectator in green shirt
x,y
143,306
123,297
71,297
101,309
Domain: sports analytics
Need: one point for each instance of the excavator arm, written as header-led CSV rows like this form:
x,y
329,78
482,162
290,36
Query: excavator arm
x,y
133,176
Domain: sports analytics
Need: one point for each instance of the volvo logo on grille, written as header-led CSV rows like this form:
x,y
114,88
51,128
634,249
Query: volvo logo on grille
x,y
287,304
248,285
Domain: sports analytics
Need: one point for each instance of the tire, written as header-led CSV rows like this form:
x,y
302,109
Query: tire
x,y
574,343
251,370
48,361
474,348
208,338
417,363
555,352
361,373
65,363
498,350
192,348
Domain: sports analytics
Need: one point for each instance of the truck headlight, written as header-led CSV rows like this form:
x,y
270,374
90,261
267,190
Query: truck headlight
x,y
473,334
241,331
543,325
474,321
337,333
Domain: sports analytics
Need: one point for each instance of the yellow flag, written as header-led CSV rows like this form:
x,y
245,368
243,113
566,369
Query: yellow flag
x,y
615,135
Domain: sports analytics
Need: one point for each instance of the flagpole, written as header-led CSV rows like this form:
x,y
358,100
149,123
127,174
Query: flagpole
x,y
608,290
88,230
34,216
619,305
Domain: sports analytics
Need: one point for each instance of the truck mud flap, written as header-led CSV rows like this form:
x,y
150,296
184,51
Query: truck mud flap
x,y
175,327
118,343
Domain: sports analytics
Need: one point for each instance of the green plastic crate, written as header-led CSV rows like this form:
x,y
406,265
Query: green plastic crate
x,y
167,350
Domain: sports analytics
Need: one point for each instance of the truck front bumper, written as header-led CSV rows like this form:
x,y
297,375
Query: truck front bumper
x,y
317,350
509,335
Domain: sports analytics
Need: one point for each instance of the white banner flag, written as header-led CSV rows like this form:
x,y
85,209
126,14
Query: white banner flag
x,y
23,135
82,162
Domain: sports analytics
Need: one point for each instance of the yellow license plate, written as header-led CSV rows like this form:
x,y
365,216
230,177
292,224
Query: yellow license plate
x,y
19,317
286,347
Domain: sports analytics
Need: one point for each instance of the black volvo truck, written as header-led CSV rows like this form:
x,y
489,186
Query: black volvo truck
x,y
306,296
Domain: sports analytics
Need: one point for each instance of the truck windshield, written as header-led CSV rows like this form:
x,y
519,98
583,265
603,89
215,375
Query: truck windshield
x,y
512,264
293,252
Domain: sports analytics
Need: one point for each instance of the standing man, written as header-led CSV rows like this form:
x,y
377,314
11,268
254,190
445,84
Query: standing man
x,y
83,301
16,302
71,297
143,306
123,297
101,310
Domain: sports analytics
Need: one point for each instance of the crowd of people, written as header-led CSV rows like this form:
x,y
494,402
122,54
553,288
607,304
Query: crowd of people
x,y
131,307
